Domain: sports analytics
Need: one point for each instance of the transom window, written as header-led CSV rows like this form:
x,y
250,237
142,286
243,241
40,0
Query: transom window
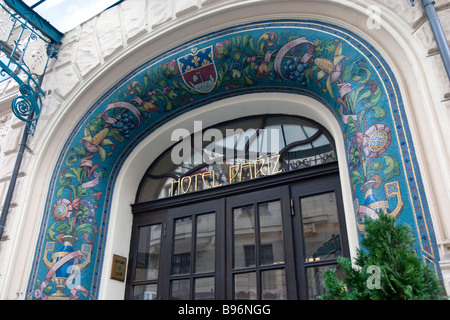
x,y
237,151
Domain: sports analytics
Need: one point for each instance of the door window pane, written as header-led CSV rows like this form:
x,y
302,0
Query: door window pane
x,y
321,227
271,233
245,286
148,255
181,260
180,289
205,243
244,237
315,279
204,288
145,292
273,284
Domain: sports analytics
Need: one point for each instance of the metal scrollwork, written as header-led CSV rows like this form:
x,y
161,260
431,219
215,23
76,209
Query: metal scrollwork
x,y
22,107
27,54
26,107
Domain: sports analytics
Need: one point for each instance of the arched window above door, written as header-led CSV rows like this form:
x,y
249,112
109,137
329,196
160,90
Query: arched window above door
x,y
236,151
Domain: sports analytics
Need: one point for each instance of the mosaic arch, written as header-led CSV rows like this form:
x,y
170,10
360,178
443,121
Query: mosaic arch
x,y
310,58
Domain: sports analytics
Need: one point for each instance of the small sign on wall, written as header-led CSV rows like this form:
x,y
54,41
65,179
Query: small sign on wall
x,y
118,268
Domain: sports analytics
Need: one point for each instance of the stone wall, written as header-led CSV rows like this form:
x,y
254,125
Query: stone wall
x,y
100,42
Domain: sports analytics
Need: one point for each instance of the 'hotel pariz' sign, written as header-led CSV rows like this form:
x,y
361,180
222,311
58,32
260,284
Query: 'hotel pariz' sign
x,y
227,174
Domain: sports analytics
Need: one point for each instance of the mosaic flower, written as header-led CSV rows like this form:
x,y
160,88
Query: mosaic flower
x,y
223,50
90,217
38,294
376,140
96,143
62,210
262,70
169,69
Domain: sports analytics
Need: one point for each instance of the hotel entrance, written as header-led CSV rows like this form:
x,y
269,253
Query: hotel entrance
x,y
266,237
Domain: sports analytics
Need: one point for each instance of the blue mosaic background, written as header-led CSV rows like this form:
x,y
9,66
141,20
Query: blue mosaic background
x,y
323,61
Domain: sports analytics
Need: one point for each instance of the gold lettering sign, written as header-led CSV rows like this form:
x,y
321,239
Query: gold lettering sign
x,y
262,166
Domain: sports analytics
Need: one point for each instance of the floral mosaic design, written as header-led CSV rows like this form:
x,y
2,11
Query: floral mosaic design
x,y
318,60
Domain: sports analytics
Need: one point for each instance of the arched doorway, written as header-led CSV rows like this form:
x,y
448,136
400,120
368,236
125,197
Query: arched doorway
x,y
341,70
254,212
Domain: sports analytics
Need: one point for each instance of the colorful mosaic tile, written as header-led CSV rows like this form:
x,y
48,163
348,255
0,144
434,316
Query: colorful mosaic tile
x,y
320,60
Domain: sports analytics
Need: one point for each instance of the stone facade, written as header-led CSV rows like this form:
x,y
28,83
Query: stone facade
x,y
96,54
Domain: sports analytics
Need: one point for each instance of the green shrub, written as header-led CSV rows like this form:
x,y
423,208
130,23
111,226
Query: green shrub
x,y
386,269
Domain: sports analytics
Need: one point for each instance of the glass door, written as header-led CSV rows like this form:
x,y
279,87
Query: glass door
x,y
195,261
319,231
260,263
175,253
145,256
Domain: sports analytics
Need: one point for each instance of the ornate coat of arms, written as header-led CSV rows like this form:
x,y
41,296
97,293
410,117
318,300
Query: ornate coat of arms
x,y
198,70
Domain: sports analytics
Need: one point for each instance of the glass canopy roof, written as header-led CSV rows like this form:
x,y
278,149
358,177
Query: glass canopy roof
x,y
66,15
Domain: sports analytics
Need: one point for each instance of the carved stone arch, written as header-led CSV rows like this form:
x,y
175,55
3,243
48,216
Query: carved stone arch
x,y
331,65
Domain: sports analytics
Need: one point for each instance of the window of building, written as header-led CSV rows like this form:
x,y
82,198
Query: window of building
x,y
247,149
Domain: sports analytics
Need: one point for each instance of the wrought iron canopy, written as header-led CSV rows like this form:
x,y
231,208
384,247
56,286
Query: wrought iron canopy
x,y
28,42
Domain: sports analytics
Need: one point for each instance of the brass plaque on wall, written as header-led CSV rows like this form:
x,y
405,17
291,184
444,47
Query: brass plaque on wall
x,y
118,268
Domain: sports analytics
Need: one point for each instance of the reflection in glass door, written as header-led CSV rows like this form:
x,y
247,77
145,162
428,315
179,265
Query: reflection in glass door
x,y
319,232
258,266
144,280
148,257
258,241
321,228
193,257
192,264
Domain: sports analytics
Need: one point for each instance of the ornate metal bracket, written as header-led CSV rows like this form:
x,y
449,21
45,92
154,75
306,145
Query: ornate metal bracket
x,y
28,53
